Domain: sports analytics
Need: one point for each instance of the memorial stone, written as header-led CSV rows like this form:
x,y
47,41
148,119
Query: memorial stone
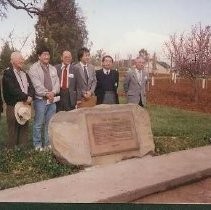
x,y
102,134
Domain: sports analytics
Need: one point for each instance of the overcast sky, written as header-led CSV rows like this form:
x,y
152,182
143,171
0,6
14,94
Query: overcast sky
x,y
123,26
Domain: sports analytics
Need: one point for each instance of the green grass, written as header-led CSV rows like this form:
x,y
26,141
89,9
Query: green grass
x,y
21,166
25,165
3,128
173,130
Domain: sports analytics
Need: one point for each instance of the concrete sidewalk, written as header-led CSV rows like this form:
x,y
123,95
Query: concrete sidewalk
x,y
122,182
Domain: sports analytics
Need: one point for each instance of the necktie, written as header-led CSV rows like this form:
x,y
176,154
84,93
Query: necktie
x,y
47,77
64,78
86,74
140,75
22,85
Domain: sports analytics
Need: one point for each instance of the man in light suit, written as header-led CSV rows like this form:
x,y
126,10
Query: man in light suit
x,y
135,83
69,83
46,83
88,79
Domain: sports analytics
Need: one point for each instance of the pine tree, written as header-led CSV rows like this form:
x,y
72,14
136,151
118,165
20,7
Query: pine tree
x,y
5,57
61,27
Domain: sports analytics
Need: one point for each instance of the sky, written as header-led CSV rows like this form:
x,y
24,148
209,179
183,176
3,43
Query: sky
x,y
123,27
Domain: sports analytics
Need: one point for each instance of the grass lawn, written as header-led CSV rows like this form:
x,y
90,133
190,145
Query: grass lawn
x,y
173,130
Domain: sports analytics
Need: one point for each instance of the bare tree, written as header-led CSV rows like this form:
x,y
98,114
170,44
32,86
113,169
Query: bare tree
x,y
97,58
154,62
32,7
191,54
11,41
144,54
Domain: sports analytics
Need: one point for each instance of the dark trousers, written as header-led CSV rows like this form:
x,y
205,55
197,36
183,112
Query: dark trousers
x,y
17,134
64,104
140,103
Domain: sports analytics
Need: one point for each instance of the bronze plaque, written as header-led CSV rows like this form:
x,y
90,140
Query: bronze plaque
x,y
111,132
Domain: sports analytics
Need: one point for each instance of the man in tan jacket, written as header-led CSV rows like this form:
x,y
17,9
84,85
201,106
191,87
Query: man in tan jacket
x,y
46,83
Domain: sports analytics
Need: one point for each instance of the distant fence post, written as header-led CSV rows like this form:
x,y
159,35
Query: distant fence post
x,y
153,80
175,78
203,83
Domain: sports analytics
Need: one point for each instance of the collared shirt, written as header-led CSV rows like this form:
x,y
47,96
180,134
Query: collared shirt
x,y
22,80
105,71
86,68
62,75
47,77
139,74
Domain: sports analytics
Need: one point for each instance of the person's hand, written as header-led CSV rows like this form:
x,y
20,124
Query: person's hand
x,y
87,94
50,96
29,100
78,102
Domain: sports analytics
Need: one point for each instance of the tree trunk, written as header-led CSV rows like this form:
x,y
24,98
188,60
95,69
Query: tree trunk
x,y
196,88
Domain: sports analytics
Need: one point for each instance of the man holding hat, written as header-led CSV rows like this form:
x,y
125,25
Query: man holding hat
x,y
18,93
46,83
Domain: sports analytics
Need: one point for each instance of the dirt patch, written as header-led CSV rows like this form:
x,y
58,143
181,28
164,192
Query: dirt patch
x,y
199,192
179,95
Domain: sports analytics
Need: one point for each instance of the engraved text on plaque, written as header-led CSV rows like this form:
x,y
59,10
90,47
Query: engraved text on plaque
x,y
111,132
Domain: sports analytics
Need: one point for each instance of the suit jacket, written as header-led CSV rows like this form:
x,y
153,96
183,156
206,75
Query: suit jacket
x,y
11,89
37,77
73,81
99,91
92,81
134,89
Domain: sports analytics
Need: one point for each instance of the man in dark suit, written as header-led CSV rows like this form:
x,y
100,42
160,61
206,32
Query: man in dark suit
x,y
107,82
87,74
69,85
17,87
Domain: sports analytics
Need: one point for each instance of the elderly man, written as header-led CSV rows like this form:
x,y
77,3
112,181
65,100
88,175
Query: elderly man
x,y
69,83
46,83
135,83
17,87
88,79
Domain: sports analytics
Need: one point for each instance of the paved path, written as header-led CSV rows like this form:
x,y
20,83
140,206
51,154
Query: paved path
x,y
125,181
199,192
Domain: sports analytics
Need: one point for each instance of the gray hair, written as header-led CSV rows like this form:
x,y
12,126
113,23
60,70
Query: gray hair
x,y
15,55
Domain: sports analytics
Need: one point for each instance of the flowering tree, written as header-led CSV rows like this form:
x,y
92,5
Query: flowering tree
x,y
191,54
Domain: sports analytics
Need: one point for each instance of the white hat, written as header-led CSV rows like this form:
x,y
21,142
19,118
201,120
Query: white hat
x,y
22,112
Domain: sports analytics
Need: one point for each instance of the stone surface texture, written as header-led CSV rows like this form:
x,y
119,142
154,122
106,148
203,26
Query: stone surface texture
x,y
126,181
71,139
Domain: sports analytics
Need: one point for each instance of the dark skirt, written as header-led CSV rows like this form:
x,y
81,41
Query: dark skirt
x,y
109,97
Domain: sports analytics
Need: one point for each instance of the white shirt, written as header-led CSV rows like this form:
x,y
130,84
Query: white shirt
x,y
86,68
22,80
139,74
63,66
105,71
